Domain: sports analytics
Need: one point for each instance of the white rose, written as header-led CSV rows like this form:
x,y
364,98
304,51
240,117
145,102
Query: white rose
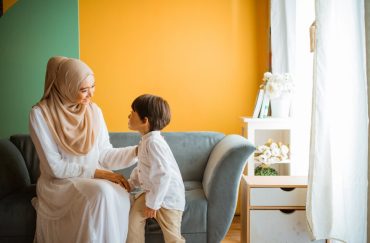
x,y
267,153
267,76
284,149
262,158
275,151
260,149
273,146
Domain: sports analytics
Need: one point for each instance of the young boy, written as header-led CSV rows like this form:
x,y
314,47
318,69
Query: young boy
x,y
157,174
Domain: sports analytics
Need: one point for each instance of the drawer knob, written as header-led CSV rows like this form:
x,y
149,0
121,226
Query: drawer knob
x,y
287,189
287,211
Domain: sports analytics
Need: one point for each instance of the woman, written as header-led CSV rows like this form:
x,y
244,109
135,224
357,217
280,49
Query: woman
x,y
78,198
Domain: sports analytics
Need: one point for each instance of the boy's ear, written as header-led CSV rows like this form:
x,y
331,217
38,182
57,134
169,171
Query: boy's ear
x,y
145,120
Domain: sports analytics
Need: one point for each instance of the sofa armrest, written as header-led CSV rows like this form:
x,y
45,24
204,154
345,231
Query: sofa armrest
x,y
13,171
221,182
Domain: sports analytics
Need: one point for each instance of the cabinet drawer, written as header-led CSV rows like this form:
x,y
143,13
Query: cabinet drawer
x,y
278,196
268,226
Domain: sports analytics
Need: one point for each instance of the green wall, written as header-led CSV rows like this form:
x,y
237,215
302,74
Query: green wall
x,y
30,33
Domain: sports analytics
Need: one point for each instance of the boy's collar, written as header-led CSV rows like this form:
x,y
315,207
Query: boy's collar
x,y
152,133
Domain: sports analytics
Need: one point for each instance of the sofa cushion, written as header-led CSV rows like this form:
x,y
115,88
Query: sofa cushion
x,y
13,173
191,149
194,219
17,214
28,151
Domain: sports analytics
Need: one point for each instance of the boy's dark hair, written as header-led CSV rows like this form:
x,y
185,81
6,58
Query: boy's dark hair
x,y
155,108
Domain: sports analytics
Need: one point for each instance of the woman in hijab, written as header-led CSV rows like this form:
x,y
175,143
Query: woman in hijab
x,y
79,198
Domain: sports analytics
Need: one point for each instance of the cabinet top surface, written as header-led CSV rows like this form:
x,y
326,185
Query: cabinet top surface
x,y
276,181
264,120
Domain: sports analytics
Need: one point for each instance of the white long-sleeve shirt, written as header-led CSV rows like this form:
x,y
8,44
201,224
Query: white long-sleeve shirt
x,y
57,163
158,174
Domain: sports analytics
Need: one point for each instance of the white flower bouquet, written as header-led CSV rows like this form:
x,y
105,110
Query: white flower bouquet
x,y
271,153
277,84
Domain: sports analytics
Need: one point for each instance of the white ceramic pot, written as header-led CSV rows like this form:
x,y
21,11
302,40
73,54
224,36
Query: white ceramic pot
x,y
280,107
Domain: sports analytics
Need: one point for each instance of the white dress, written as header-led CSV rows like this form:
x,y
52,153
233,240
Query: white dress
x,y
71,206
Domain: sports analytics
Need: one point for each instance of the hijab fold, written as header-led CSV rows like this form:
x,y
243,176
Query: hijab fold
x,y
74,126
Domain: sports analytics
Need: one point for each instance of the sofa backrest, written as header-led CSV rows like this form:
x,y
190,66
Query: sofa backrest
x,y
13,172
191,150
25,146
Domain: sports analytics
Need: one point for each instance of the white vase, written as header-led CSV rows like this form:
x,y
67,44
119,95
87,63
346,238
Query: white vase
x,y
280,107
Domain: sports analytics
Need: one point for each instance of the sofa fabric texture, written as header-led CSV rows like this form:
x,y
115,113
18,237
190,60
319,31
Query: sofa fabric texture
x,y
211,165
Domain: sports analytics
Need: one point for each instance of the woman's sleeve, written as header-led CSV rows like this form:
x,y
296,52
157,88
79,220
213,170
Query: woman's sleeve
x,y
114,158
47,150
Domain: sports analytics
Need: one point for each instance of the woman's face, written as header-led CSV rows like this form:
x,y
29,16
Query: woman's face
x,y
86,91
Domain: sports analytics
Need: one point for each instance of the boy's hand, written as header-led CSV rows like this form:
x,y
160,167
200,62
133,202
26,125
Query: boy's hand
x,y
150,213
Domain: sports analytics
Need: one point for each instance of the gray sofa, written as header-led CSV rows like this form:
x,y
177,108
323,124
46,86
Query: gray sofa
x,y
210,163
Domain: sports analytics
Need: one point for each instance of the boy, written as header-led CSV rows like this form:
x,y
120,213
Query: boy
x,y
157,174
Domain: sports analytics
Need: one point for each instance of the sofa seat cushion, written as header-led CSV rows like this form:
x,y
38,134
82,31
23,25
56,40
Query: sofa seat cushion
x,y
17,214
194,219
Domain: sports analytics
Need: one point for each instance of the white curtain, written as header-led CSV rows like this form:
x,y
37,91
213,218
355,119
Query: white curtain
x,y
337,191
290,42
367,27
283,25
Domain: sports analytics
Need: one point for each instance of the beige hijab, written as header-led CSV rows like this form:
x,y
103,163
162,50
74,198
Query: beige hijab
x,y
74,126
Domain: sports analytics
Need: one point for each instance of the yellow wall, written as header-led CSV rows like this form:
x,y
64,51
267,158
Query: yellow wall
x,y
206,57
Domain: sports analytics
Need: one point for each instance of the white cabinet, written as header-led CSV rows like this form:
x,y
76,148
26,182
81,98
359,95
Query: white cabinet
x,y
280,226
259,130
273,210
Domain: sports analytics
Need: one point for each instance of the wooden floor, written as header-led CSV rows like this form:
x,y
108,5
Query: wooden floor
x,y
233,236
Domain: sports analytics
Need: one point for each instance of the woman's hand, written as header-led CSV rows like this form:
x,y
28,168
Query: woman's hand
x,y
113,177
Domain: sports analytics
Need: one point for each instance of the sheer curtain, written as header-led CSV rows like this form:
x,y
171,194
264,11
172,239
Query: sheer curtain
x,y
337,192
367,27
290,47
283,35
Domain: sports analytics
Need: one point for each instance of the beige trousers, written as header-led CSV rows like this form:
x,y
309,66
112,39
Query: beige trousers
x,y
168,219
